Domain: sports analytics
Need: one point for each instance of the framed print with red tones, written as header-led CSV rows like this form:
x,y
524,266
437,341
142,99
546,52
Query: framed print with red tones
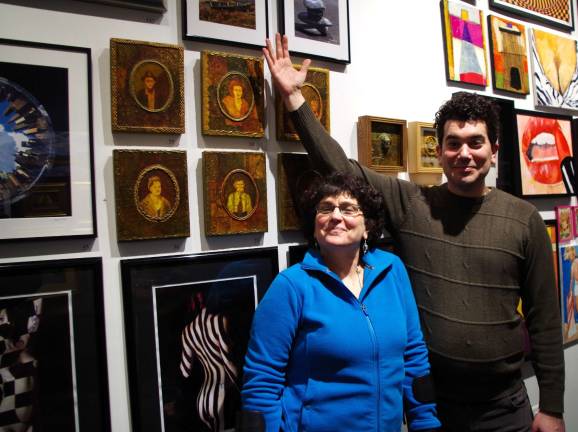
x,y
239,23
509,55
545,162
555,13
565,224
232,95
465,46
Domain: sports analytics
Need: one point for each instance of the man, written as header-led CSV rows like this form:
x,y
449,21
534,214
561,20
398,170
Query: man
x,y
471,252
239,202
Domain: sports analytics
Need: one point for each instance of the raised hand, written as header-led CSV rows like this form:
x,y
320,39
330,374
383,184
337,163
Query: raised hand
x,y
286,79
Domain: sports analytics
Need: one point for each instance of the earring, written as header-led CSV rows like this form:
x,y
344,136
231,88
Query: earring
x,y
364,247
315,244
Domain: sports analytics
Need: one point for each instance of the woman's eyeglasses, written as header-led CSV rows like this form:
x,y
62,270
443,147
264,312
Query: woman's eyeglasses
x,y
347,210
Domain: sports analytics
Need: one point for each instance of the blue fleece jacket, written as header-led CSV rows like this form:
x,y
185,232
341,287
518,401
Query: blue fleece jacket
x,y
320,359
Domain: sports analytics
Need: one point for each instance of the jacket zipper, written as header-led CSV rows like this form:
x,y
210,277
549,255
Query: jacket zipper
x,y
376,358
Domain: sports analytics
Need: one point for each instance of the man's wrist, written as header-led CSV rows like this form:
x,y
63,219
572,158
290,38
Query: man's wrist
x,y
553,414
294,101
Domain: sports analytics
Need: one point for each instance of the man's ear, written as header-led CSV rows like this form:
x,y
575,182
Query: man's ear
x,y
495,148
439,153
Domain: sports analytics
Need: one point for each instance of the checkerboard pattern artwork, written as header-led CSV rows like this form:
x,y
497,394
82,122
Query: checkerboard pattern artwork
x,y
558,9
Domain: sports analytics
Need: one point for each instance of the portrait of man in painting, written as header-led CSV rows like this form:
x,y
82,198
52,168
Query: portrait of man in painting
x,y
151,86
317,20
237,13
235,96
386,141
156,193
241,194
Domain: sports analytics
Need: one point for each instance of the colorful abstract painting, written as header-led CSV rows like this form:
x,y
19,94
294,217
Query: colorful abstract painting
x,y
509,56
555,70
545,153
465,47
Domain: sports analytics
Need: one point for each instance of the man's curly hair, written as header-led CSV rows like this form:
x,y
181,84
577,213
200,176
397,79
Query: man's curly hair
x,y
464,106
370,201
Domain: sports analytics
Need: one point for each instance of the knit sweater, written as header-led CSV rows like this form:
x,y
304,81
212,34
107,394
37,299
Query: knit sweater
x,y
469,261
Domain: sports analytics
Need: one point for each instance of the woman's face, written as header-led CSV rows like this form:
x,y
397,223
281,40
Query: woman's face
x,y
334,230
155,188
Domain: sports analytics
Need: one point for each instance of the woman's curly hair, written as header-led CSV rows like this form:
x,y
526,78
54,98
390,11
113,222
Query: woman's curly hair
x,y
370,201
464,106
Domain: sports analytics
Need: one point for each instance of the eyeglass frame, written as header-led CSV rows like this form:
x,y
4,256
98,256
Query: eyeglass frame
x,y
341,208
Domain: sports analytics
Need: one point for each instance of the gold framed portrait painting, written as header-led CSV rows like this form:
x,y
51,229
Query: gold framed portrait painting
x,y
232,95
235,191
423,144
316,92
294,175
382,143
147,91
151,192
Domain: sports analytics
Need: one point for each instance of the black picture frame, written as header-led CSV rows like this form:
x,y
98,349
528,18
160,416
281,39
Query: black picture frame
x,y
169,297
54,168
309,34
528,14
156,6
62,303
547,183
248,31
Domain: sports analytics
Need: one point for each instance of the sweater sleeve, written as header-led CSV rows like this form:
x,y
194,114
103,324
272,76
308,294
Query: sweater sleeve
x,y
421,414
274,327
327,156
542,313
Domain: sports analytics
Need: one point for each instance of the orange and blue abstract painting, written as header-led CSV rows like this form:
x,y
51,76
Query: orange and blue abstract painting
x,y
465,46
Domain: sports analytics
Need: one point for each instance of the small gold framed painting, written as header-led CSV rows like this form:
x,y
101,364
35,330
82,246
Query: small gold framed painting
x,y
232,95
235,191
382,143
423,144
151,194
316,92
147,93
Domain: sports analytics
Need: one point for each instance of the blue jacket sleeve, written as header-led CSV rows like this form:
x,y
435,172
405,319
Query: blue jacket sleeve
x,y
275,325
420,415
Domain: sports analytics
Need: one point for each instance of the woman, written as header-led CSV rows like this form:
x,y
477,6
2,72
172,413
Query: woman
x,y
154,204
336,343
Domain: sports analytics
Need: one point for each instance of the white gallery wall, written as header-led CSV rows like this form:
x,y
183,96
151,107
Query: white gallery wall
x,y
397,71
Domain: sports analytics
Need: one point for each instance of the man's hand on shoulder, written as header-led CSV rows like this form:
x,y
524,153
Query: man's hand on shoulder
x,y
548,423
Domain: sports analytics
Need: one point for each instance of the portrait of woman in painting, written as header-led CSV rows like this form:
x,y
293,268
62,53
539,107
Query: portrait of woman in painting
x,y
156,190
151,86
238,100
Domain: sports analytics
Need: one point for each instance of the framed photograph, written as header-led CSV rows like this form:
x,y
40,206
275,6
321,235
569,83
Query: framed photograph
x,y
565,223
235,191
46,169
294,176
555,70
145,5
382,143
53,367
423,143
509,54
556,13
318,29
238,23
465,46
147,87
232,95
151,194
545,162
568,294
316,93
187,322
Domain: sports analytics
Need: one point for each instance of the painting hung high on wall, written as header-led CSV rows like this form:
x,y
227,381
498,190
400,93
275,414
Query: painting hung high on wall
x,y
555,70
188,321
508,51
545,152
465,47
568,297
151,194
565,224
316,93
238,22
295,174
382,143
147,87
232,95
317,28
423,144
555,13
235,191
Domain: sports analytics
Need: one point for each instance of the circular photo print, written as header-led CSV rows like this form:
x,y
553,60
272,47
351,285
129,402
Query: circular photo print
x,y
235,96
151,85
156,193
239,194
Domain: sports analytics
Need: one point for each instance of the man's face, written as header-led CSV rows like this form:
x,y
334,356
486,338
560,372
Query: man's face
x,y
466,156
239,185
149,83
